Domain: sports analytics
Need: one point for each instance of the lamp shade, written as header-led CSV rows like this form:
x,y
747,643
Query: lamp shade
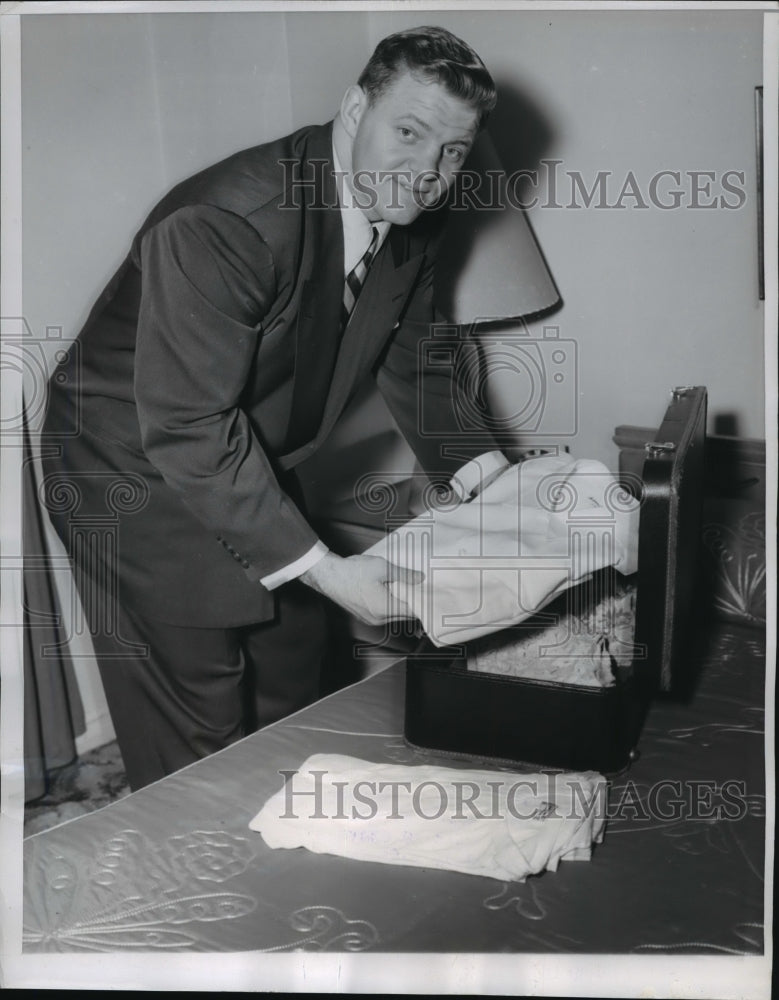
x,y
490,267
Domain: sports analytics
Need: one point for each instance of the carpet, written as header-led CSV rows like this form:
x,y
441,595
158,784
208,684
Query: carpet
x,y
87,783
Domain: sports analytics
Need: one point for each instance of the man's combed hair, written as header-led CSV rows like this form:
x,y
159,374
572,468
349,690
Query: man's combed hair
x,y
435,54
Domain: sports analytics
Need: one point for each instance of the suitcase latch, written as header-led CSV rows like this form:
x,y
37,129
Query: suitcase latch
x,y
657,447
681,390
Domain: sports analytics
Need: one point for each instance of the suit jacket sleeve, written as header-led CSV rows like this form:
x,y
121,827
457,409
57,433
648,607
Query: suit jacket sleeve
x,y
434,399
208,282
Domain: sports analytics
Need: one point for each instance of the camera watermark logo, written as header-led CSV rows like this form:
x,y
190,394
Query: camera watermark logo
x,y
535,377
37,361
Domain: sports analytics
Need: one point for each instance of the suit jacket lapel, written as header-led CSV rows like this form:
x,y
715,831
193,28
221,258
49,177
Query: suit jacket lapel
x,y
383,295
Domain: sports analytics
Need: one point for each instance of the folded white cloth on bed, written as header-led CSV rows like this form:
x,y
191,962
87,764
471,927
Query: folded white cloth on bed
x,y
541,527
502,825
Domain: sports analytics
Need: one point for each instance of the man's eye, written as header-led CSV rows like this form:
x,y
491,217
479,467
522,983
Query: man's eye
x,y
405,133
454,153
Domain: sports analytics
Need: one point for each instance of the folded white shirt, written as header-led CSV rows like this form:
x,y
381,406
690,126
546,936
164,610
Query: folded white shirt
x,y
492,823
541,527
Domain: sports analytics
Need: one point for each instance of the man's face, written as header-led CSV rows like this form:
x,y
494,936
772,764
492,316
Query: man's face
x,y
407,146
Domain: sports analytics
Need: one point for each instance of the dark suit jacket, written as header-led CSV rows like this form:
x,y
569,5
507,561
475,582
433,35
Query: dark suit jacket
x,y
208,368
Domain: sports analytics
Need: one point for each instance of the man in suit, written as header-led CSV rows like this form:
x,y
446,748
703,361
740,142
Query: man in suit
x,y
254,300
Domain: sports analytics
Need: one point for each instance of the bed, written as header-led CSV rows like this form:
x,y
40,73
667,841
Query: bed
x,y
175,867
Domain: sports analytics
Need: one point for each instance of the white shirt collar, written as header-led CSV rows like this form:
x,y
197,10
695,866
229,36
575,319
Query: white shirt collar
x,y
356,225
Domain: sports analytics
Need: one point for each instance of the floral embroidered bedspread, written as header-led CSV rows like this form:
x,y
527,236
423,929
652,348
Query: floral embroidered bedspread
x,y
175,867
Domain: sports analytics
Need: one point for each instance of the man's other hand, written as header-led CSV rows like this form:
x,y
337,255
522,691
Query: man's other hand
x,y
360,585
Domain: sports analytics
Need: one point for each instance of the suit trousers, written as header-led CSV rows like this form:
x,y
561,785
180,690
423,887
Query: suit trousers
x,y
176,693
185,693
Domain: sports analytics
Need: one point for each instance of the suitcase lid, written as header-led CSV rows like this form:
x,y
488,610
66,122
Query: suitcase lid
x,y
669,535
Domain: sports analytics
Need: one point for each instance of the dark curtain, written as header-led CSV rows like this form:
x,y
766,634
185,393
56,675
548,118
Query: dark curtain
x,y
53,712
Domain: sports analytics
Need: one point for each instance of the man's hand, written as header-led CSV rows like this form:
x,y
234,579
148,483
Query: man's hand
x,y
360,585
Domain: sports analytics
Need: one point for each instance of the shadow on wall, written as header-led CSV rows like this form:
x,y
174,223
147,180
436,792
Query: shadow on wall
x,y
726,424
522,133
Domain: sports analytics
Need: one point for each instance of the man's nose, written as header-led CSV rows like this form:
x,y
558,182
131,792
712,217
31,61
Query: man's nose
x,y
427,163
428,178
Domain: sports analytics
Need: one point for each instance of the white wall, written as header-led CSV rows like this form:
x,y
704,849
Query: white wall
x,y
118,107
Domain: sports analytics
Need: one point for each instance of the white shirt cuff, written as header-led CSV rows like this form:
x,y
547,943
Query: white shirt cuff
x,y
295,569
471,475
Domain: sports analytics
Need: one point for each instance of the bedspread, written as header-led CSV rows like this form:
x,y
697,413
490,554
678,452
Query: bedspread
x,y
176,867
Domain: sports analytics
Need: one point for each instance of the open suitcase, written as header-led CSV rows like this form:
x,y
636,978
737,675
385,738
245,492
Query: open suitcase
x,y
456,710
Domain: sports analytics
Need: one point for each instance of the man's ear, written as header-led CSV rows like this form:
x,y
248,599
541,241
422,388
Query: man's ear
x,y
354,102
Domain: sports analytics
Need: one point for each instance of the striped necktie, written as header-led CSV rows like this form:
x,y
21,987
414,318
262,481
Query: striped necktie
x,y
356,277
